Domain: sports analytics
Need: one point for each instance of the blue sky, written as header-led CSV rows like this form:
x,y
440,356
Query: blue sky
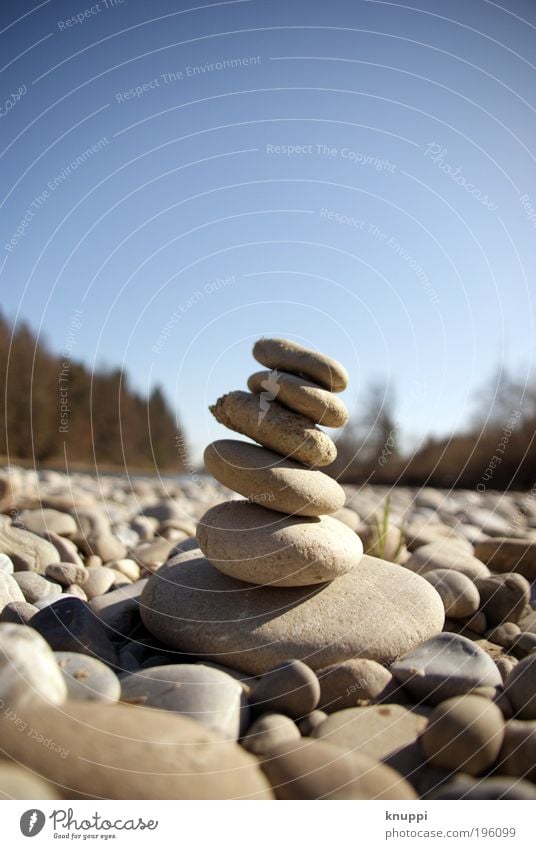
x,y
356,175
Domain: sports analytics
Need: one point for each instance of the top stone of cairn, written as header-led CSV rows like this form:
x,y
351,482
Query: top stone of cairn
x,y
296,359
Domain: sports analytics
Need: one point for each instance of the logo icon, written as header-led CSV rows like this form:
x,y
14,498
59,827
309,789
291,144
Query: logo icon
x,y
32,822
271,388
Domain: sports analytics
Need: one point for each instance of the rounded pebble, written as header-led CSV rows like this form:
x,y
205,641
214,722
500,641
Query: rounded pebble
x,y
465,734
256,545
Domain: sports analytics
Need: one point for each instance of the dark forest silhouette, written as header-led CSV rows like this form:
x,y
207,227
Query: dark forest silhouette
x,y
57,411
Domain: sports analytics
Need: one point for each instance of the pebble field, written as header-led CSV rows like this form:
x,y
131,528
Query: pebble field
x,y
260,631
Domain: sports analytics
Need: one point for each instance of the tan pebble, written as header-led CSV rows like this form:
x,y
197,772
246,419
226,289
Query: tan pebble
x,y
259,546
288,434
294,358
301,396
269,730
267,479
314,769
464,733
99,581
518,753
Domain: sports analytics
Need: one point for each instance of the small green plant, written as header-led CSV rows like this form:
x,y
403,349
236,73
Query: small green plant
x,y
380,530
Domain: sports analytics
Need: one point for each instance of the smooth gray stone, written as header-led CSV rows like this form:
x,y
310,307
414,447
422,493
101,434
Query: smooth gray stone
x,y
87,679
291,688
6,565
119,609
9,590
35,588
444,666
28,668
207,695
18,612
47,520
380,611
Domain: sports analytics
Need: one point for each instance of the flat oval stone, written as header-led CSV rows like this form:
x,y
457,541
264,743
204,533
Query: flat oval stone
x,y
67,573
46,520
503,598
464,734
27,551
314,769
388,733
100,751
291,688
259,546
28,668
275,427
444,666
34,587
87,679
503,554
381,612
297,359
444,555
266,479
207,695
521,688
9,590
300,395
459,594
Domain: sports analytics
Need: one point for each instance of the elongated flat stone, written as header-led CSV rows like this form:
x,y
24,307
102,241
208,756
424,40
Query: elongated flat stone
x,y
275,427
297,359
301,395
265,478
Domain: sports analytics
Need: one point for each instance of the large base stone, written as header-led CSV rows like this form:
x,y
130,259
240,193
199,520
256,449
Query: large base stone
x,y
380,611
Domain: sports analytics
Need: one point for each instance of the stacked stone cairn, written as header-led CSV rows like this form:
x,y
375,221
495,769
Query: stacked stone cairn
x,y
282,535
276,574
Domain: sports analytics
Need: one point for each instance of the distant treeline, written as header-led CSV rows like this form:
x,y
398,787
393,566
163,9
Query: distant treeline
x,y
55,410
498,451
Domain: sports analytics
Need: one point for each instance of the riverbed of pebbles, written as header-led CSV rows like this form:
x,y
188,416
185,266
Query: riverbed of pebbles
x,y
153,645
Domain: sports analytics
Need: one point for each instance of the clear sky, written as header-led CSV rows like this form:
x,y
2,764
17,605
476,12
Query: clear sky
x,y
357,175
